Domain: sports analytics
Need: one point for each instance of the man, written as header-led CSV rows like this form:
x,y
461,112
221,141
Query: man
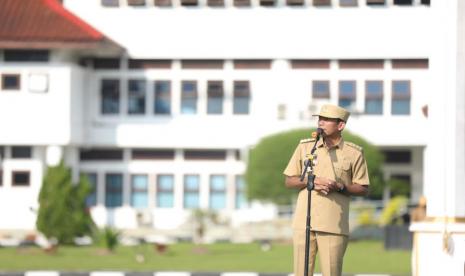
x,y
341,172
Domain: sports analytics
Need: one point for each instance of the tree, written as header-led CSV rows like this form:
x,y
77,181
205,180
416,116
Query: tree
x,y
269,158
62,212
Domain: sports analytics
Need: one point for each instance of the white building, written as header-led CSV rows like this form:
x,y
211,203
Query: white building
x,y
158,101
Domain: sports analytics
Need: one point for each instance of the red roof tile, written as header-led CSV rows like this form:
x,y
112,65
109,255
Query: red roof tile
x,y
43,22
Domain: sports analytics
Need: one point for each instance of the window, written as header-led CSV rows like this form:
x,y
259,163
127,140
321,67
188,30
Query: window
x,y
410,63
165,191
163,3
136,97
241,102
252,64
267,3
204,154
403,2
215,97
162,97
21,178
375,2
91,199
240,192
189,97
321,2
215,3
100,154
295,2
11,82
348,3
152,154
202,64
320,89
241,3
347,94
397,156
188,3
400,98
191,191
217,192
110,3
26,55
361,64
136,3
106,63
21,152
139,191
110,96
374,97
150,63
310,64
113,190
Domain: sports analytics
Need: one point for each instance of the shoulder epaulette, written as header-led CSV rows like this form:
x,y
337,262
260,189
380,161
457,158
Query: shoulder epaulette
x,y
357,147
307,140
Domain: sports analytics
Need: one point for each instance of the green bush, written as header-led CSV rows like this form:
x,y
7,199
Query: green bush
x,y
366,218
108,238
269,158
62,211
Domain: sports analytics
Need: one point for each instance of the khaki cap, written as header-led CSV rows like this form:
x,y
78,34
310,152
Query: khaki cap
x,y
334,112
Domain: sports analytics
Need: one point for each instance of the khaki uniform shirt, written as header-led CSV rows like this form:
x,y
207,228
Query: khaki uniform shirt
x,y
343,163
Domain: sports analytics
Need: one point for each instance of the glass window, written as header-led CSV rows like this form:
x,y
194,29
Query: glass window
x,y
26,55
11,82
397,156
139,191
320,89
347,94
21,152
348,3
110,96
162,97
113,190
191,191
217,192
165,191
400,98
189,97
374,97
91,199
241,103
215,97
21,178
136,97
110,3
240,192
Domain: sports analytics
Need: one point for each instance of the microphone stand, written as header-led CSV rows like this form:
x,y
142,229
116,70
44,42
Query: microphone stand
x,y
310,185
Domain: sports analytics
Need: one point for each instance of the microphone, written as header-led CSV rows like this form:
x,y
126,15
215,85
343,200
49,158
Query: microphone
x,y
316,134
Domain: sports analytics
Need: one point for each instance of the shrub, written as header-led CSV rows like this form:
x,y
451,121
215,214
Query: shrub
x,y
62,210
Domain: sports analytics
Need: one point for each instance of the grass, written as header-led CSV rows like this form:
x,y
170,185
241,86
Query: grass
x,y
361,257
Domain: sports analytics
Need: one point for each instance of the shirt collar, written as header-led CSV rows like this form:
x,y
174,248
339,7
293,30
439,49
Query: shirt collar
x,y
339,145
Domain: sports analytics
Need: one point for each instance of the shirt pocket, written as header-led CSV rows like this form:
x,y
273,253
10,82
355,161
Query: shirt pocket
x,y
343,172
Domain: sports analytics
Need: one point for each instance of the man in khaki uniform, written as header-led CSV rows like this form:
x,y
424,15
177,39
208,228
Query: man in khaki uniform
x,y
341,172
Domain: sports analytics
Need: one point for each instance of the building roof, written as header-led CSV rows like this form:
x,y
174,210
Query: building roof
x,y
45,24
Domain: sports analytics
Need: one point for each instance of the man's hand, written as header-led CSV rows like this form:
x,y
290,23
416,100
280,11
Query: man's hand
x,y
325,185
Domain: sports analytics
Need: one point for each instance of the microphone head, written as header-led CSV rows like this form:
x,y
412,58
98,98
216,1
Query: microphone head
x,y
319,131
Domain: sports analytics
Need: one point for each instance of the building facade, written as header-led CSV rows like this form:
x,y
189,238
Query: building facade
x,y
159,101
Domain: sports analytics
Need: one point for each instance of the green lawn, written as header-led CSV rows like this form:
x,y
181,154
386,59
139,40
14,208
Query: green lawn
x,y
361,257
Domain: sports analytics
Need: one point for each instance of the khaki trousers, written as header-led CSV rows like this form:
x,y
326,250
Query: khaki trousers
x,y
331,248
